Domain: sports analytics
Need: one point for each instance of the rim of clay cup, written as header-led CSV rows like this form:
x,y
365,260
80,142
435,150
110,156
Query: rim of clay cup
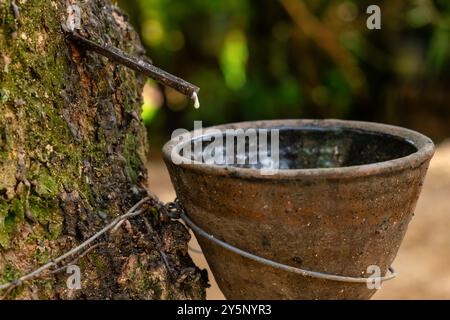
x,y
423,144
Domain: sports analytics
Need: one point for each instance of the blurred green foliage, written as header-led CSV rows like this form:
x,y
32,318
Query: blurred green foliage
x,y
289,58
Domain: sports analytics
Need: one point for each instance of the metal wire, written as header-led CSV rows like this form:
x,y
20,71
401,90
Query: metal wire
x,y
307,273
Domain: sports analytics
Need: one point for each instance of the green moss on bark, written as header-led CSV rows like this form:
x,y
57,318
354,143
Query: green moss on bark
x,y
72,146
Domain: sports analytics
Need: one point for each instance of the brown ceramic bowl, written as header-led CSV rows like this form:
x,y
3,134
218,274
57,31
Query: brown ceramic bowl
x,y
340,203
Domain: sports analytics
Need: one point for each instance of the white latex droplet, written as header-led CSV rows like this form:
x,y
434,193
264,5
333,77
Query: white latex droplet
x,y
196,101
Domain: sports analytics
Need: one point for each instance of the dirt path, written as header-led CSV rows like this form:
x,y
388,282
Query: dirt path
x,y
423,261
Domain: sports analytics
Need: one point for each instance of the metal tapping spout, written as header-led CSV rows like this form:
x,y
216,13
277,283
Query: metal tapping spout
x,y
117,55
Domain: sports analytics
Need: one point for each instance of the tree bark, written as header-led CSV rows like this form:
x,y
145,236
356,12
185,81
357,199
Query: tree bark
x,y
72,152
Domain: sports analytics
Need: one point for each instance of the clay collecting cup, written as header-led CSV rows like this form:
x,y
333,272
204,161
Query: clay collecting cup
x,y
341,202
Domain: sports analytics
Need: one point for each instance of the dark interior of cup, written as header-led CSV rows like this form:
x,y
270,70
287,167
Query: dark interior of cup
x,y
308,148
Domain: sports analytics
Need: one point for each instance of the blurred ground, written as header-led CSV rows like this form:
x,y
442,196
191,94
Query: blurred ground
x,y
423,261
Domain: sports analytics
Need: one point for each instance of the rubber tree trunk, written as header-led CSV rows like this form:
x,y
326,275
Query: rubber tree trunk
x,y
72,152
